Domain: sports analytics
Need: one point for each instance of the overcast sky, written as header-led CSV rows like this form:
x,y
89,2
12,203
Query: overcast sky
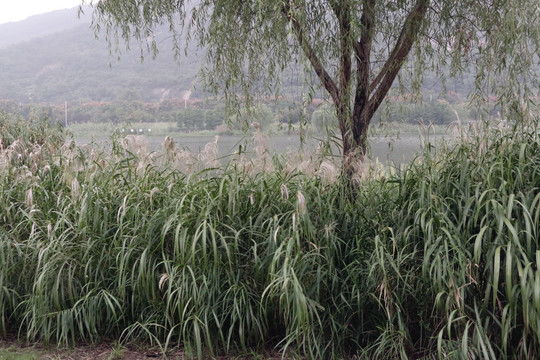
x,y
15,10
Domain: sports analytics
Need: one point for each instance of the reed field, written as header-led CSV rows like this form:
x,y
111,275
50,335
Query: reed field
x,y
438,260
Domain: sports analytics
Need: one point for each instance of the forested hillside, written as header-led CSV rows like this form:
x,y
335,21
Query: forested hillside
x,y
55,58
41,25
71,65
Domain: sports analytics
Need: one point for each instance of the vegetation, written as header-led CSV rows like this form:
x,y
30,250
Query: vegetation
x,y
196,115
440,260
45,72
354,49
180,251
73,66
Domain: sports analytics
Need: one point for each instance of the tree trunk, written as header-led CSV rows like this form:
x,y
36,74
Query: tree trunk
x,y
354,132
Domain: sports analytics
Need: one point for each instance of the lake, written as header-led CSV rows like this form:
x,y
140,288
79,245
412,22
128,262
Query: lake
x,y
391,149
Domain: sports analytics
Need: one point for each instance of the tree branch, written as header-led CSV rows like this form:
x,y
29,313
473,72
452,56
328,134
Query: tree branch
x,y
345,39
308,50
362,50
342,11
382,83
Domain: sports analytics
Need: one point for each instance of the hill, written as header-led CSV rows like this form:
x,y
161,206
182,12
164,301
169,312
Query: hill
x,y
55,58
71,65
41,25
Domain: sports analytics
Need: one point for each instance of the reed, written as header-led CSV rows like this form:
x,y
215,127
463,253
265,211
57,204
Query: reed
x,y
439,260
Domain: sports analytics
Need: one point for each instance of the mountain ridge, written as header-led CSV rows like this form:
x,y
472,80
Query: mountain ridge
x,y
71,65
41,25
57,64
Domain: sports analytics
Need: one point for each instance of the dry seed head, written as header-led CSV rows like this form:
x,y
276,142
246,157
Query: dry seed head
x,y
356,162
307,167
246,166
23,174
301,203
29,198
122,210
184,161
68,154
152,192
135,143
33,230
94,155
162,278
384,296
210,154
35,157
252,198
18,147
276,232
329,229
141,166
59,199
75,188
328,171
49,230
168,147
284,192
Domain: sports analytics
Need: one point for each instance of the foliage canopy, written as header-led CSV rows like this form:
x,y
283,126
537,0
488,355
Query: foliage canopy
x,y
355,49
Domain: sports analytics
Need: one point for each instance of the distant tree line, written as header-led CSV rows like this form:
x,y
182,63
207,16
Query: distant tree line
x,y
198,115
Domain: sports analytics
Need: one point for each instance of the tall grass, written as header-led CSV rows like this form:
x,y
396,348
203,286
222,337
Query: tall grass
x,y
439,260
458,270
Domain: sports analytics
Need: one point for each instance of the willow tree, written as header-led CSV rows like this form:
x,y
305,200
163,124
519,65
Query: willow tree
x,y
356,48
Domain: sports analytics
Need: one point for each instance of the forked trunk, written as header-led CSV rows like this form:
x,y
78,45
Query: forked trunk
x,y
363,89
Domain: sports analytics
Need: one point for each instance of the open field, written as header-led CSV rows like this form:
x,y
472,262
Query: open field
x,y
271,253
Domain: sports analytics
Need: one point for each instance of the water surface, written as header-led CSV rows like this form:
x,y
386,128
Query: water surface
x,y
385,149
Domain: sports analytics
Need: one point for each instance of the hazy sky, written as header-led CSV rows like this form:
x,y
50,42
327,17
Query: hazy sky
x,y
15,10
